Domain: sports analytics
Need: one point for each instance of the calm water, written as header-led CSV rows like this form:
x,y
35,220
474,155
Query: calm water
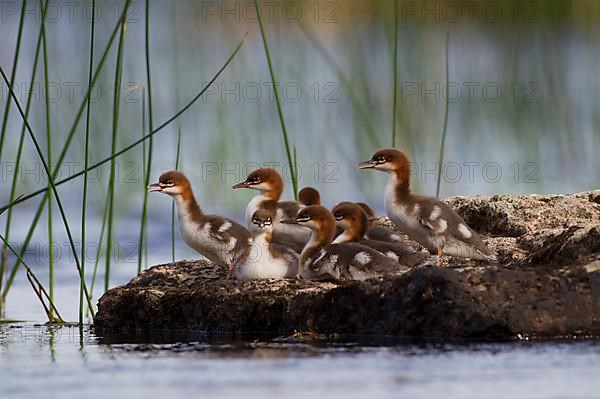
x,y
37,361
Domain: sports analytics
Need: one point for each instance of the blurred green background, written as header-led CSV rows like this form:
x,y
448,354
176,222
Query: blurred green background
x,y
523,95
523,89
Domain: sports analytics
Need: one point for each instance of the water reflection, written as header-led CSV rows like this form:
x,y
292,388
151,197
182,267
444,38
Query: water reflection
x,y
49,361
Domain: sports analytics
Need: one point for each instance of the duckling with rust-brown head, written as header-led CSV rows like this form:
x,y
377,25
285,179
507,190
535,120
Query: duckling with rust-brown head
x,y
354,222
322,260
426,220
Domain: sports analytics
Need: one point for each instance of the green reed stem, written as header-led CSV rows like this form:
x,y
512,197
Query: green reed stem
x,y
395,101
144,237
13,75
173,203
15,179
86,159
277,101
99,249
61,157
445,125
144,152
135,143
295,156
150,142
51,259
38,288
48,174
113,149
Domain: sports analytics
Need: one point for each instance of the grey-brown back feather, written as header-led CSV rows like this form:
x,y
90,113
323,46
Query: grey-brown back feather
x,y
453,221
236,230
402,252
341,262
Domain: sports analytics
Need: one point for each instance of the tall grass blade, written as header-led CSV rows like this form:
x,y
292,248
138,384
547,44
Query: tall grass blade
x,y
445,125
24,246
15,179
144,236
13,75
86,160
39,292
395,101
100,247
295,155
113,149
24,198
144,152
48,174
178,153
277,101
173,204
51,259
150,142
38,288
62,155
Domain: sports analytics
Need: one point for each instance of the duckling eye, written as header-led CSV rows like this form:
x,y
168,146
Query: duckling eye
x,y
167,182
380,159
338,215
255,180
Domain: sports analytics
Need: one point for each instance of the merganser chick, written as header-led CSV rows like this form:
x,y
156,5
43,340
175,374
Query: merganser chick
x,y
371,218
379,233
262,258
322,260
353,220
426,220
269,183
309,196
219,239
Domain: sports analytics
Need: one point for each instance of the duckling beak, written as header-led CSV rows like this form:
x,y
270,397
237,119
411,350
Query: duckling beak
x,y
154,187
243,184
288,221
366,165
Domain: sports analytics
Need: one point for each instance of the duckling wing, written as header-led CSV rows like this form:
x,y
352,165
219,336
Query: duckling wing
x,y
449,230
289,256
382,233
352,261
233,236
402,253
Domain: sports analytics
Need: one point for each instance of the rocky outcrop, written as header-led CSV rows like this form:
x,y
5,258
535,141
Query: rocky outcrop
x,y
546,284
